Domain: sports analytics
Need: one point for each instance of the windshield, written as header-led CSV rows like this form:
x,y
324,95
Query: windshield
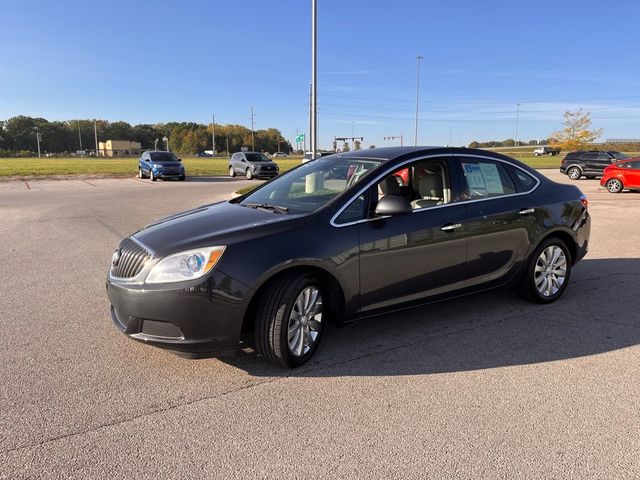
x,y
313,185
158,157
256,157
619,156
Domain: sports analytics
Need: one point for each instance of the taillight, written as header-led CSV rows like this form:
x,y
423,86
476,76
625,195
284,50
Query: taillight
x,y
584,201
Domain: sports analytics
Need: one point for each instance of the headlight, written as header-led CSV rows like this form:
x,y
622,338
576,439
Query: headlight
x,y
187,265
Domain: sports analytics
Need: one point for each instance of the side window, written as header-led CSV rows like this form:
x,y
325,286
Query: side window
x,y
524,182
634,165
355,210
590,157
604,158
424,183
486,179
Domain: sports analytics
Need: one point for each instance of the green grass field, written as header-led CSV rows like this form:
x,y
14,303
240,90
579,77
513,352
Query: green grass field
x,y
117,167
121,167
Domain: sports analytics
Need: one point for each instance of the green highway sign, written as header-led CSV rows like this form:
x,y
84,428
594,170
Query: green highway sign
x,y
300,138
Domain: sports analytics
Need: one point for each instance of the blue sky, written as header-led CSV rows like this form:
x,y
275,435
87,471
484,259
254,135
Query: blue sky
x,y
148,62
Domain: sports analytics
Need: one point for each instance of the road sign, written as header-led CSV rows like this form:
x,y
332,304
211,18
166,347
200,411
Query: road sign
x,y
300,138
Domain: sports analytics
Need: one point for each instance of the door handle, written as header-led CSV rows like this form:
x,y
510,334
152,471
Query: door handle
x,y
526,211
451,227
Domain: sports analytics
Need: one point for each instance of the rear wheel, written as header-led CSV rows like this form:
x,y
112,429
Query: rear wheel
x,y
232,172
548,272
289,320
574,173
614,185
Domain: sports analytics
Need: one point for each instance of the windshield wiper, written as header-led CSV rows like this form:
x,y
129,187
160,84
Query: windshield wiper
x,y
267,206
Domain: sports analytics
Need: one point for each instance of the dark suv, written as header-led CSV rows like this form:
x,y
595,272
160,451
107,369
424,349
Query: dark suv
x,y
589,164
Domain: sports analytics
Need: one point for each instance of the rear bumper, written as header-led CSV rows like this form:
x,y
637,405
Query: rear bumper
x,y
195,318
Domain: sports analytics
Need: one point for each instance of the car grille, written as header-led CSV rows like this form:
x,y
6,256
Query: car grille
x,y
132,259
160,329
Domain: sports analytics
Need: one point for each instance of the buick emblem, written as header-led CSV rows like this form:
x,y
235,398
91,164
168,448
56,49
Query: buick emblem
x,y
115,258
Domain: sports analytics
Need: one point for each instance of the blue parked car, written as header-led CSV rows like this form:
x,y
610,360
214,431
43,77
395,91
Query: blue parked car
x,y
160,164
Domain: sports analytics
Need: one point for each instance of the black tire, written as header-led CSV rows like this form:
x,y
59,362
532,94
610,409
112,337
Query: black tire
x,y
614,185
528,289
182,178
273,316
152,176
232,172
574,173
248,174
140,174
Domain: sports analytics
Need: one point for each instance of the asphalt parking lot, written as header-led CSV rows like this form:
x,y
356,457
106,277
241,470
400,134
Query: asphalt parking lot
x,y
484,387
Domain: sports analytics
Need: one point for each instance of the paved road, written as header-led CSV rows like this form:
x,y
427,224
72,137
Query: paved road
x,y
488,386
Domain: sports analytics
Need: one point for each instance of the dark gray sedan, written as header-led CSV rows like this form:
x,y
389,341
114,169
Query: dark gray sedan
x,y
252,165
341,238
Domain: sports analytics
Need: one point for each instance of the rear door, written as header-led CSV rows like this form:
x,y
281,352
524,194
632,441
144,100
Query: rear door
x,y
591,165
632,174
500,217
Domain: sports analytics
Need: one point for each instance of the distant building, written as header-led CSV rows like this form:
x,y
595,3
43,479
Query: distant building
x,y
119,148
623,140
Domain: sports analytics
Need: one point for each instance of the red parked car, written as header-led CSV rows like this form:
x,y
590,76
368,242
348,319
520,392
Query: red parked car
x,y
622,175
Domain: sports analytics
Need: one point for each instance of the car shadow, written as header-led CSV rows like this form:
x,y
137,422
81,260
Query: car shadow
x,y
597,314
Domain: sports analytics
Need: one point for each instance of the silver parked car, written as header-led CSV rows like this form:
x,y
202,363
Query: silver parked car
x,y
252,164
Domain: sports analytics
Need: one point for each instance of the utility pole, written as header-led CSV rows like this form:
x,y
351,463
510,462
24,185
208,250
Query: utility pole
x,y
314,78
95,134
38,139
213,134
227,144
310,125
79,135
450,136
253,148
393,137
419,58
517,117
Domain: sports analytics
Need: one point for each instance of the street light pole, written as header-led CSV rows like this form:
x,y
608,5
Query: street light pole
x,y
314,78
253,147
517,117
419,58
38,138
450,136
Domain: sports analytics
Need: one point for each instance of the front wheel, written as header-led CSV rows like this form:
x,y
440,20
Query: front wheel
x,y
289,320
182,178
574,173
614,185
140,175
547,273
249,174
152,176
232,172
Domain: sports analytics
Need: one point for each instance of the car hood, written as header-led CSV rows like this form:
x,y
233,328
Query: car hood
x,y
262,164
167,164
210,225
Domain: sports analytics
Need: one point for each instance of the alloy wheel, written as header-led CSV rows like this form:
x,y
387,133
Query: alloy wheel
x,y
550,271
574,173
305,321
614,185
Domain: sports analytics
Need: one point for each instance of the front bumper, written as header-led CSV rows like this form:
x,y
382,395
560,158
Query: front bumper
x,y
195,317
169,175
266,174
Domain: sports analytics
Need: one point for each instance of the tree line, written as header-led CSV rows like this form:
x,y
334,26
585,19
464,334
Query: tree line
x,y
18,136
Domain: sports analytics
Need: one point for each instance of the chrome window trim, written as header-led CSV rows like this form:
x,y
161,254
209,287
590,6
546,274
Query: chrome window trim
x,y
426,209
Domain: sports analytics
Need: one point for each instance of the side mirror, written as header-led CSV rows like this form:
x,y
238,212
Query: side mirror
x,y
179,159
393,205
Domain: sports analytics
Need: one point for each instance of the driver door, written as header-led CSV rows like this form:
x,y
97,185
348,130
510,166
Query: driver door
x,y
405,258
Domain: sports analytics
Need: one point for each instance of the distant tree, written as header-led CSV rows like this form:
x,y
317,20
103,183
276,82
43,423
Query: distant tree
x,y
357,145
345,147
474,144
577,132
509,142
372,146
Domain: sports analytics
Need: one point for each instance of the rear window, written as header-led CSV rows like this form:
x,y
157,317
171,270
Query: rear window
x,y
571,156
618,155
